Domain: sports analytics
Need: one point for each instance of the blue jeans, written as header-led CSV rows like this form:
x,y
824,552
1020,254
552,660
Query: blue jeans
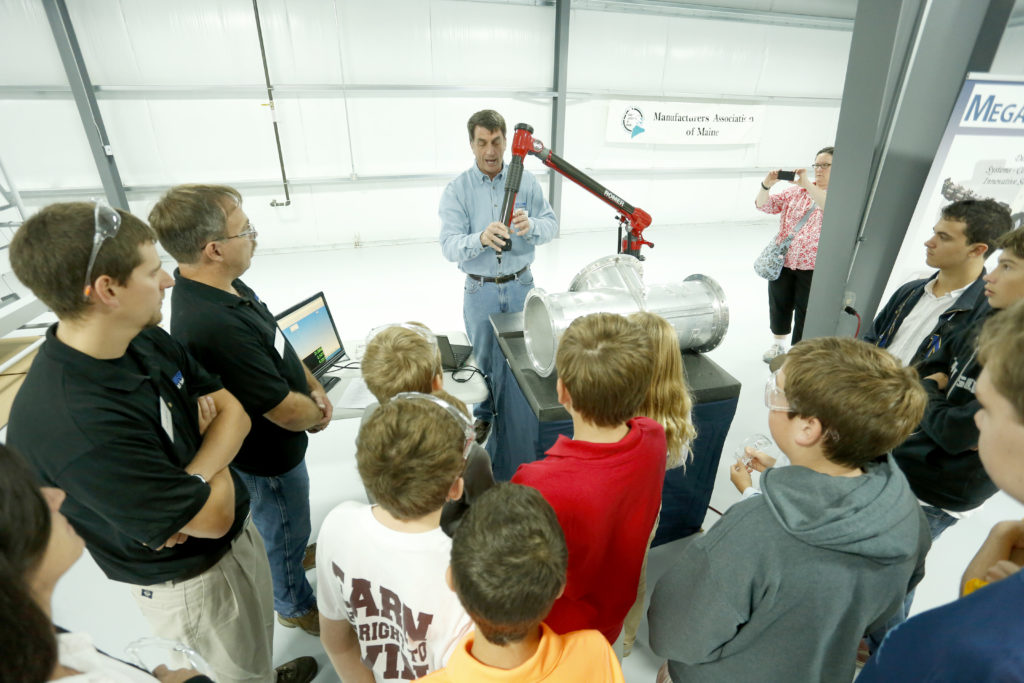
x,y
479,301
938,521
280,510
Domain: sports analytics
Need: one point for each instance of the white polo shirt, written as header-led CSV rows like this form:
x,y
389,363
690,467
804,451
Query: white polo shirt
x,y
920,322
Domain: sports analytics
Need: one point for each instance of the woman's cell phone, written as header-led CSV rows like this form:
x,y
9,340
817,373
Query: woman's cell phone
x,y
787,175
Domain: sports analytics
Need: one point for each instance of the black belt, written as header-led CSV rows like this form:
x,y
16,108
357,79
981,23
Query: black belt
x,y
497,280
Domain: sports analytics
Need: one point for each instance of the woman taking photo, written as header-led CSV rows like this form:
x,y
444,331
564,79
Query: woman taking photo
x,y
37,547
789,293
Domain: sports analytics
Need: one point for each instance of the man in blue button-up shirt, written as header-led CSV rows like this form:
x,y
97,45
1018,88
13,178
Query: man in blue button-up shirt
x,y
472,235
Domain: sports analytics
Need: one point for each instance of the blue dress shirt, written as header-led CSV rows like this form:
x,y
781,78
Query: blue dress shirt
x,y
471,202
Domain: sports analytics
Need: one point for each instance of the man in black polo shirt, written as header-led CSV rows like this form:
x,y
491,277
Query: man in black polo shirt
x,y
231,332
139,436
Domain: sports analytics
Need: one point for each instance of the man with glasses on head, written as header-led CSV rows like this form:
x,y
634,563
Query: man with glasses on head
x,y
118,415
232,333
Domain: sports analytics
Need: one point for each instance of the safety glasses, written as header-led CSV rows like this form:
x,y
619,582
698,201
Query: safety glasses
x,y
249,232
774,398
464,422
106,222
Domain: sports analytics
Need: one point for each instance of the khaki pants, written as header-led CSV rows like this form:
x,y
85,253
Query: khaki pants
x,y
636,612
226,614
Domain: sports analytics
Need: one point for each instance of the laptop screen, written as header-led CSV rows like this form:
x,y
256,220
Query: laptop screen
x,y
309,328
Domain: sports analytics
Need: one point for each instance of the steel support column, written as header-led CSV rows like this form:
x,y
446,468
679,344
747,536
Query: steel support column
x,y
908,59
85,99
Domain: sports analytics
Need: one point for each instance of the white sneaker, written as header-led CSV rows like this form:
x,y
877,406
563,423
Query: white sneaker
x,y
772,352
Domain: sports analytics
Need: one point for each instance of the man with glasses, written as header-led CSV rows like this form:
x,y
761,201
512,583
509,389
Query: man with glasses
x,y
117,414
232,333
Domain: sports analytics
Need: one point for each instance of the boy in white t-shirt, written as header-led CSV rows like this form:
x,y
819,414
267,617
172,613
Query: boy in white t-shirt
x,y
386,613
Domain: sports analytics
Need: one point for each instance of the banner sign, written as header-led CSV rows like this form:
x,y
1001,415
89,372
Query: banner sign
x,y
683,123
981,154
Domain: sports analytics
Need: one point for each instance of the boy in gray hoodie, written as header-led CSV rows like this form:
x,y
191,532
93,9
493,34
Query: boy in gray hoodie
x,y
784,586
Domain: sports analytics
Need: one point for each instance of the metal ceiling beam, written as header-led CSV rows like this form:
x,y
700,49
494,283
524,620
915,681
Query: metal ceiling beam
x,y
88,110
228,92
740,14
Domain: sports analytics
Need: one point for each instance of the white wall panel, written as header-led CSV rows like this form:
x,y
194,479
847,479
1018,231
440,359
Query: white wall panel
x,y
713,56
669,200
313,137
388,135
28,54
187,42
43,145
386,41
483,44
656,54
612,51
804,62
303,40
792,134
191,140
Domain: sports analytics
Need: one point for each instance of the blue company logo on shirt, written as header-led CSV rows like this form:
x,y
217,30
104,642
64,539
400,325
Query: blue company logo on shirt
x,y
178,379
633,121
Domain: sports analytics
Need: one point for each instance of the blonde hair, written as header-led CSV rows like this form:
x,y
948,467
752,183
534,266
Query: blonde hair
x,y
1000,349
604,361
400,359
454,400
409,453
866,401
668,399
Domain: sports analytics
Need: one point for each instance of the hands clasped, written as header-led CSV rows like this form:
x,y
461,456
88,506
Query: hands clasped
x,y
496,234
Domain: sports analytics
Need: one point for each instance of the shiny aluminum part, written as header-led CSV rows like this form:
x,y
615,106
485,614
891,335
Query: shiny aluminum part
x,y
696,308
547,315
619,271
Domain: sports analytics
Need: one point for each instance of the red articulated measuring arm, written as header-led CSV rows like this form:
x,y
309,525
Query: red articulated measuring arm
x,y
524,143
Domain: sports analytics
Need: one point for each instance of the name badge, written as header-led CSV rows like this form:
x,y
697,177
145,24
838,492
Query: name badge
x,y
279,343
166,421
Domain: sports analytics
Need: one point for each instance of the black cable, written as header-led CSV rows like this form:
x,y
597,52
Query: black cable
x,y
472,371
850,310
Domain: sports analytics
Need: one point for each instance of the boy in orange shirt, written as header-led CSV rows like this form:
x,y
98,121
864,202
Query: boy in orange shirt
x,y
508,566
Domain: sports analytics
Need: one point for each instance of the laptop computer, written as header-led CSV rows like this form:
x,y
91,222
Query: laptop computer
x,y
452,355
309,328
